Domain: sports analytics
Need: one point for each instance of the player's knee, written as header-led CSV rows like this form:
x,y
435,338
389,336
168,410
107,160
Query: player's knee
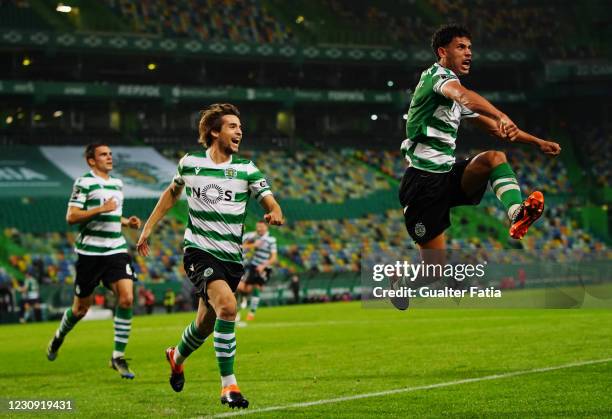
x,y
226,309
495,158
80,310
126,301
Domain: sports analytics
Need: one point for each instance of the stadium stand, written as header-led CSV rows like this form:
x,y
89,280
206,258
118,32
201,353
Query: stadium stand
x,y
209,20
536,24
595,151
319,177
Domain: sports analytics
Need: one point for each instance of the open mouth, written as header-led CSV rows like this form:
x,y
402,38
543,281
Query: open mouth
x,y
236,141
466,63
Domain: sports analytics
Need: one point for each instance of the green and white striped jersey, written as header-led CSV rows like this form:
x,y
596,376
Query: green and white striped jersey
x,y
32,290
433,121
266,245
217,195
101,235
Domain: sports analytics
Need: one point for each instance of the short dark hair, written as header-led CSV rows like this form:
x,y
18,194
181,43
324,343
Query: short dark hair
x,y
90,150
445,34
211,119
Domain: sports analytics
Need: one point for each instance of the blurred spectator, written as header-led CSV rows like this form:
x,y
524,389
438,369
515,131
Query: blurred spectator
x,y
6,292
169,300
30,300
522,277
294,286
146,298
99,299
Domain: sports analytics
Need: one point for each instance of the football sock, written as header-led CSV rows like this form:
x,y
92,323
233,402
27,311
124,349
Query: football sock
x,y
506,188
228,380
254,300
191,340
67,323
225,348
123,325
28,315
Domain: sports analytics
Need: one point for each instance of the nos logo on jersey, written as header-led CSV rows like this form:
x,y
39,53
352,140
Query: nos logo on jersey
x,y
213,194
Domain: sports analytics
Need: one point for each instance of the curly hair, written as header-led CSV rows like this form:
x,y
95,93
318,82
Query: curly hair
x,y
445,34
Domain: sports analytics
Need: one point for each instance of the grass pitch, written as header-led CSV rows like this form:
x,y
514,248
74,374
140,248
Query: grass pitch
x,y
319,352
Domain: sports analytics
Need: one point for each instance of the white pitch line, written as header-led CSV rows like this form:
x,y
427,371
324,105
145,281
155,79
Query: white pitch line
x,y
411,389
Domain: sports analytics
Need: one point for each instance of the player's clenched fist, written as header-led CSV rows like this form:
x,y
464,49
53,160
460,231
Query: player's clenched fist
x,y
550,147
274,218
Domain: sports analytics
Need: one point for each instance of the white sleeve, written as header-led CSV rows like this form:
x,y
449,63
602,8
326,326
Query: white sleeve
x,y
441,79
258,184
466,113
178,177
79,195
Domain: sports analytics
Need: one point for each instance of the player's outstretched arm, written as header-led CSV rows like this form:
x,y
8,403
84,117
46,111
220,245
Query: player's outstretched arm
x,y
476,103
490,126
274,214
77,215
547,147
166,201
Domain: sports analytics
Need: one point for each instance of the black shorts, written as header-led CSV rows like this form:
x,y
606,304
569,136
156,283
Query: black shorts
x,y
90,270
31,301
202,267
427,198
254,278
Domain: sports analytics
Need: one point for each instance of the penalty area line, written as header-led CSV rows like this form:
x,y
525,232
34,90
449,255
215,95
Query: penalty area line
x,y
411,389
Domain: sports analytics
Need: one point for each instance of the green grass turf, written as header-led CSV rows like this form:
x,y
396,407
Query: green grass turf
x,y
306,353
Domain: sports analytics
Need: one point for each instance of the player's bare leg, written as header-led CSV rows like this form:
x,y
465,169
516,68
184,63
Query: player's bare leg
x,y
432,252
223,301
478,171
124,290
255,296
242,293
70,318
493,166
